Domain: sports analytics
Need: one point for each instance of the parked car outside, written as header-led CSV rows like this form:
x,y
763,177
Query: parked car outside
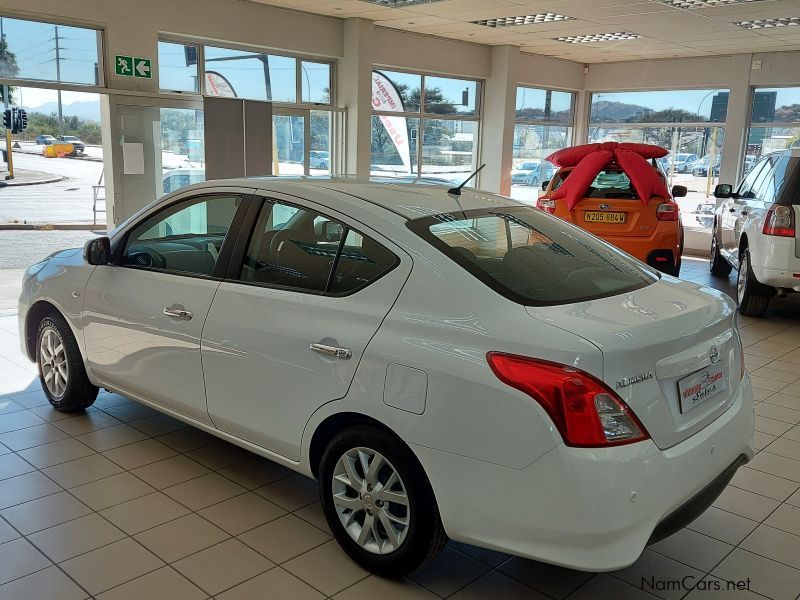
x,y
45,140
682,160
755,231
420,357
78,146
318,159
700,167
531,173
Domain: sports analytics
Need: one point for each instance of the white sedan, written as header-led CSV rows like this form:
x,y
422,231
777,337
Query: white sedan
x,y
468,367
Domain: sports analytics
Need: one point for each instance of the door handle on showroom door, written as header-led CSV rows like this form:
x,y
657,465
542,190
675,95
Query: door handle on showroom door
x,y
343,353
183,315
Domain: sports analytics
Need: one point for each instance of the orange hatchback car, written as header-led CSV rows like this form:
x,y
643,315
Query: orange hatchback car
x,y
611,208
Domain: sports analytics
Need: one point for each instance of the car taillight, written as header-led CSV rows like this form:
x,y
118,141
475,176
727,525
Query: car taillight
x,y
584,410
779,221
547,205
667,211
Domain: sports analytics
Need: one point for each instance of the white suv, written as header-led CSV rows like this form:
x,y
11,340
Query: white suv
x,y
755,231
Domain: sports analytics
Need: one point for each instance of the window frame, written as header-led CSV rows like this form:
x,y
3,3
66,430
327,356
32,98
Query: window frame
x,y
248,231
102,45
423,116
120,243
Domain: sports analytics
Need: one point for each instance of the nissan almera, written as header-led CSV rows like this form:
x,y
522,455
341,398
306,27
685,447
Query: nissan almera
x,y
446,367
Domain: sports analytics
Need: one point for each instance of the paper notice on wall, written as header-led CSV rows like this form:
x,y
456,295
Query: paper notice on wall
x,y
132,158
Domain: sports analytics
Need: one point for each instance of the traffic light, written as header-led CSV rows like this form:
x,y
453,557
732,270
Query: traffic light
x,y
7,118
20,121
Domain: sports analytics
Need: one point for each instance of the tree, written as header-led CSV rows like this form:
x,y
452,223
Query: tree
x,y
8,68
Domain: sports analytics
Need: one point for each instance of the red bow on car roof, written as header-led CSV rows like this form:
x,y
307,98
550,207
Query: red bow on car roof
x,y
590,159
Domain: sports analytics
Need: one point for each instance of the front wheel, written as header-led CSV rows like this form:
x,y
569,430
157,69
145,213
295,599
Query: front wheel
x,y
753,296
378,502
61,369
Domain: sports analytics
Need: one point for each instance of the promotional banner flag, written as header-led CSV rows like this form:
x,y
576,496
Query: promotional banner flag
x,y
386,98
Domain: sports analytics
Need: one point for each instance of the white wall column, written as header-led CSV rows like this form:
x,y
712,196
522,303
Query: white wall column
x,y
497,137
354,93
581,117
736,122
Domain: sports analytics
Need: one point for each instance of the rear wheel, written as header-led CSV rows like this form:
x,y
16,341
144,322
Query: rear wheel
x,y
718,265
378,502
753,296
61,369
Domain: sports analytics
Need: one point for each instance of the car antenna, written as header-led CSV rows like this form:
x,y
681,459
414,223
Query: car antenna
x,y
456,191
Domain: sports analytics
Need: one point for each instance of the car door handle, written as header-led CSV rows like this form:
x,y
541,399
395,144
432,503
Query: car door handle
x,y
183,315
343,353
733,210
745,213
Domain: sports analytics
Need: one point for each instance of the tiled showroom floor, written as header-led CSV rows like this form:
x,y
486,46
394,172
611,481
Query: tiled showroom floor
x,y
122,502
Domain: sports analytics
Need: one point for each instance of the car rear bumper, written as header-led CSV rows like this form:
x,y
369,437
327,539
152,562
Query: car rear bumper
x,y
779,278
643,247
590,509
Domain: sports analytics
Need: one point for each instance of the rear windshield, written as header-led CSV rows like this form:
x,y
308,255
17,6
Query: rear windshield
x,y
609,183
531,257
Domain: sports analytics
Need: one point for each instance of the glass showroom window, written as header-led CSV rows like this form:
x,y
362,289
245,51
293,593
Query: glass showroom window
x,y
424,125
774,122
544,121
178,67
690,124
49,52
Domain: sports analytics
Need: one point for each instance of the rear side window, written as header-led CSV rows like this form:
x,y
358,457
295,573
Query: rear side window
x,y
294,247
787,179
533,258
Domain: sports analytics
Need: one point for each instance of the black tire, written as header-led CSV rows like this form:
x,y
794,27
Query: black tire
x,y
719,266
753,297
425,536
79,393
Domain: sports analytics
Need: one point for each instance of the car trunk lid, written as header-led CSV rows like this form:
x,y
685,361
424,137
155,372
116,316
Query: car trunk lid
x,y
659,343
616,216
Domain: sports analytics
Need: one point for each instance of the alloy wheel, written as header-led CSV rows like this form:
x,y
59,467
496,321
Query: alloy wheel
x,y
53,361
371,500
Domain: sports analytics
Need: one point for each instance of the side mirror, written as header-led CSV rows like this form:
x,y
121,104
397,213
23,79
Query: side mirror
x,y
332,231
545,184
723,190
679,191
97,251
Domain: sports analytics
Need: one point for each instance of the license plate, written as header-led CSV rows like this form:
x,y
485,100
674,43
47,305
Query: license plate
x,y
700,386
604,217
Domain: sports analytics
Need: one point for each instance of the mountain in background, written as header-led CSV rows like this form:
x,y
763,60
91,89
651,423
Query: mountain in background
x,y
605,111
89,110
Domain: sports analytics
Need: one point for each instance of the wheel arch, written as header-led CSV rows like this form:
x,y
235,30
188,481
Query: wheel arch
x,y
335,423
743,243
34,316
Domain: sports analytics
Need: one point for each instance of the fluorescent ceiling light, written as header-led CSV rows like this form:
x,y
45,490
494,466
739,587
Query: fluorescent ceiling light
x,y
400,3
522,20
704,3
769,23
598,37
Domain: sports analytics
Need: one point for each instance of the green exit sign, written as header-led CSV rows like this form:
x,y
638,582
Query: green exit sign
x,y
132,66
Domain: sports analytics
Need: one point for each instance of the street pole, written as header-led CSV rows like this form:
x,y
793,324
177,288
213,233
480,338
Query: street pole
x,y
9,156
58,79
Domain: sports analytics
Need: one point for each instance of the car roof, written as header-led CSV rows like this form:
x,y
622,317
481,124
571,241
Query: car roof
x,y
409,201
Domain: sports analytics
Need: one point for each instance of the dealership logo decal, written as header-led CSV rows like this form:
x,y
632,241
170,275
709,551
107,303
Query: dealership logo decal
x,y
627,381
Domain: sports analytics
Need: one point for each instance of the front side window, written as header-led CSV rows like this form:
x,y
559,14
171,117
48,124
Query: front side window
x,y
532,258
298,248
185,238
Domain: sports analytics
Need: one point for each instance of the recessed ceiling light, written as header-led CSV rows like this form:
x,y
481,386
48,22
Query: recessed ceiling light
x,y
704,3
598,37
522,20
400,3
769,23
